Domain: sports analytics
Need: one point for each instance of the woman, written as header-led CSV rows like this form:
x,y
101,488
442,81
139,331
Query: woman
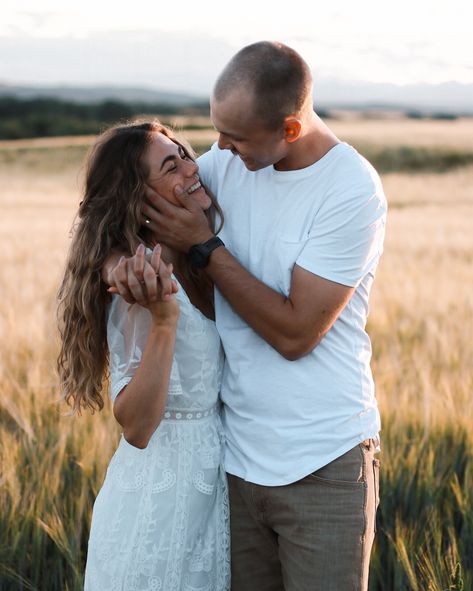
x,y
160,520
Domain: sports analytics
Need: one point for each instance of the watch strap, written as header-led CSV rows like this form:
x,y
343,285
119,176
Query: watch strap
x,y
200,253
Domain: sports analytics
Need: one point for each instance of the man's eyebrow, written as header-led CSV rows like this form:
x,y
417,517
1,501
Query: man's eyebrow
x,y
227,133
231,135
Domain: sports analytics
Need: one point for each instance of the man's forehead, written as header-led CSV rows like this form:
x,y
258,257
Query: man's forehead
x,y
237,98
232,116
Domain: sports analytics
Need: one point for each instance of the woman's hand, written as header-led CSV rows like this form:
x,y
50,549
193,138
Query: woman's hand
x,y
148,283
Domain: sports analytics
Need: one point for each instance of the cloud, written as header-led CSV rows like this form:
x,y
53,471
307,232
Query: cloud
x,y
37,19
155,58
190,62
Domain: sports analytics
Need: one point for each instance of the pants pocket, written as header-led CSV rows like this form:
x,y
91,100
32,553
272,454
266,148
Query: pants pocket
x,y
347,470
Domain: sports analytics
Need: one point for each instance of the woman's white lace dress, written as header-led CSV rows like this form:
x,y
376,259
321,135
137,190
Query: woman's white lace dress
x,y
161,520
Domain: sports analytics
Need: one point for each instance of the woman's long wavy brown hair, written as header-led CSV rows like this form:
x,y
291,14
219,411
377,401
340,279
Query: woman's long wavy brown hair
x,y
109,217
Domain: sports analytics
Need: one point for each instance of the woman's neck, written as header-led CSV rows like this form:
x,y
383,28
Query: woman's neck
x,y
168,255
200,297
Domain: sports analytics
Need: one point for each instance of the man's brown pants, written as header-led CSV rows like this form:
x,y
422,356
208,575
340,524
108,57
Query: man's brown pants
x,y
312,535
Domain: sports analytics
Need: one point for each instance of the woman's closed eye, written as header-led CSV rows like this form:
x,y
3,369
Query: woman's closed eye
x,y
182,155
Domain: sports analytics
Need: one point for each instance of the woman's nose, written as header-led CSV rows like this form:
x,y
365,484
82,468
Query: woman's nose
x,y
192,168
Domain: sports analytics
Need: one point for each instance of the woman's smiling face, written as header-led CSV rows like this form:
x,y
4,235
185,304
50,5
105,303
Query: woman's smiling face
x,y
169,167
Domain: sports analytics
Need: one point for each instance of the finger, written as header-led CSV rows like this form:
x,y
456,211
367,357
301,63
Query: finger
x,y
139,262
150,283
185,200
152,194
165,279
173,283
156,201
155,258
119,276
150,274
135,286
175,287
151,218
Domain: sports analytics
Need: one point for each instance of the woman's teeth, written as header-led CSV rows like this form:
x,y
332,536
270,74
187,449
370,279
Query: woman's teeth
x,y
194,187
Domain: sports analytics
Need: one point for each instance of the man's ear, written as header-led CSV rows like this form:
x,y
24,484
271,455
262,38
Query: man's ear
x,y
292,129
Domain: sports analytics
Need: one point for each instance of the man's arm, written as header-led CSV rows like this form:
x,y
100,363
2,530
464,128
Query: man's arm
x,y
293,325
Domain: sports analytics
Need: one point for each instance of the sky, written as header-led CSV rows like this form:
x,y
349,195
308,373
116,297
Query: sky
x,y
182,45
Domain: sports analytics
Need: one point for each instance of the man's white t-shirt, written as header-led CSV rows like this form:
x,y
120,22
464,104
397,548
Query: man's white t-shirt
x,y
285,419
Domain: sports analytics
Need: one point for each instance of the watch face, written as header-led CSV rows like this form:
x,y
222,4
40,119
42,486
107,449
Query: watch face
x,y
199,254
199,257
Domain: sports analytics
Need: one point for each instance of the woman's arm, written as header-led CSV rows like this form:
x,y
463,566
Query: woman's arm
x,y
140,405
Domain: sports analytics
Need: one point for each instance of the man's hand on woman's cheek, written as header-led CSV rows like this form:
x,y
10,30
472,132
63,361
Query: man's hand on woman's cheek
x,y
179,226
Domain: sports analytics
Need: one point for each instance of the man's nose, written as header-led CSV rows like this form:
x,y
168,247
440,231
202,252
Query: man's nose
x,y
224,143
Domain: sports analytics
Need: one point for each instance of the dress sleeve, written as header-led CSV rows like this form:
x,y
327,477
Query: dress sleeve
x,y
127,332
347,235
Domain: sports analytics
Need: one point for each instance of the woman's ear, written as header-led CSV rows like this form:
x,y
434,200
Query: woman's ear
x,y
292,129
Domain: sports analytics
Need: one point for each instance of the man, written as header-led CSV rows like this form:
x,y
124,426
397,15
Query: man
x,y
293,268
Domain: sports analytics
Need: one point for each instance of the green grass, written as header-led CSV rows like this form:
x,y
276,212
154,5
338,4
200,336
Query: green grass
x,y
407,159
53,467
425,519
415,159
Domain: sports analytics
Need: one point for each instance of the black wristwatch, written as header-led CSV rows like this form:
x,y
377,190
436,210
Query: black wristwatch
x,y
199,254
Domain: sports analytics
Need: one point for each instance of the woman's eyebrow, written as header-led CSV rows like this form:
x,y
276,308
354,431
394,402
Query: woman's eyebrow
x,y
167,159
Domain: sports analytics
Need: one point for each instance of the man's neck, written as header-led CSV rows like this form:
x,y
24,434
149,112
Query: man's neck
x,y
316,141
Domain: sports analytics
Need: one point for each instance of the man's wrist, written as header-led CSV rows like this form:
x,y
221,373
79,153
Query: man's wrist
x,y
205,237
199,254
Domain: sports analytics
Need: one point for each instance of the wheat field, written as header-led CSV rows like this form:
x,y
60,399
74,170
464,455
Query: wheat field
x,y
421,324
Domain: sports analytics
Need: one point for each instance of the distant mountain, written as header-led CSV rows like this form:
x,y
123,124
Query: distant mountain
x,y
93,94
449,97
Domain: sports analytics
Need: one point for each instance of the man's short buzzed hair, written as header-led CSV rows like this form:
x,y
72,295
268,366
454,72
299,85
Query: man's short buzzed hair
x,y
277,76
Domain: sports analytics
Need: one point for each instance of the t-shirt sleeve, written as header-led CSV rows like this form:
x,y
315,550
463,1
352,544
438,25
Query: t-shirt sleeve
x,y
347,234
127,332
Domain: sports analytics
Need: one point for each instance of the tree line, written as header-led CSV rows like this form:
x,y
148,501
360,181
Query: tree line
x,y
46,117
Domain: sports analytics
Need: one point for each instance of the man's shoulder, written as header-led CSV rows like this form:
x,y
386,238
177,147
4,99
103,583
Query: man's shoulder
x,y
354,173
351,161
